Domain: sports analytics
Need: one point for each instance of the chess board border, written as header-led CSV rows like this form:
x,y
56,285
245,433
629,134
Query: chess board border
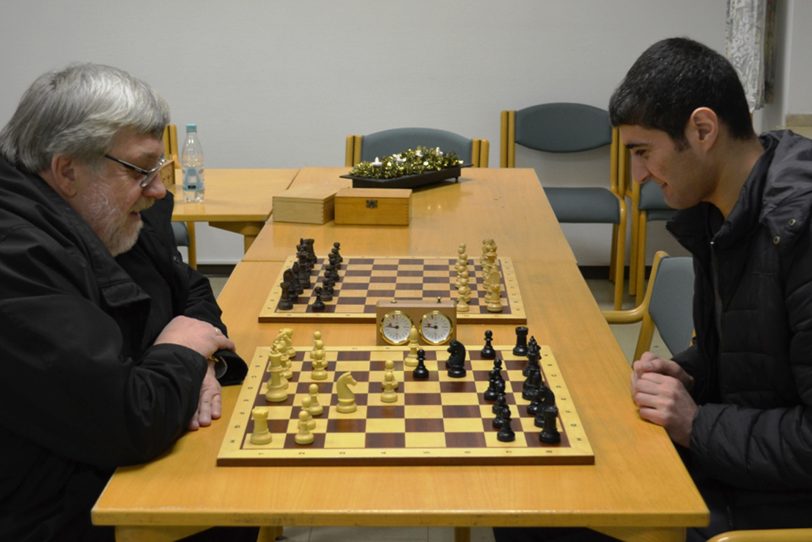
x,y
517,314
576,451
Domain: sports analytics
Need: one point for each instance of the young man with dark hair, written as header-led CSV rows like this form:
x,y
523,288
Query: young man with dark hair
x,y
738,403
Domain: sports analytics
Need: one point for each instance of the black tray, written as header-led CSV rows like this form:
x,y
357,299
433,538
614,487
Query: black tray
x,y
407,181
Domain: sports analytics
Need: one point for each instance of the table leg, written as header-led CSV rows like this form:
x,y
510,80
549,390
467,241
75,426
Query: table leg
x,y
462,534
269,534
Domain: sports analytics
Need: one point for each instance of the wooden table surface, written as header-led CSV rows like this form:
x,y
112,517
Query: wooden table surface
x,y
237,200
636,490
504,204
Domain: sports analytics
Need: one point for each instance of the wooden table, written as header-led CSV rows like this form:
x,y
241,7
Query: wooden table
x,y
636,490
495,203
237,200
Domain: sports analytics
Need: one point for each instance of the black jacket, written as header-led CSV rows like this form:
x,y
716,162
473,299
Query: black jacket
x,y
84,390
752,361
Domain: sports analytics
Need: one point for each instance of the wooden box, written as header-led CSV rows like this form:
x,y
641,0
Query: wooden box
x,y
307,204
376,206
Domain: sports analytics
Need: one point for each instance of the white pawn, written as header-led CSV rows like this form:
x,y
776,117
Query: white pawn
x,y
305,434
306,406
261,434
389,383
315,408
317,358
414,346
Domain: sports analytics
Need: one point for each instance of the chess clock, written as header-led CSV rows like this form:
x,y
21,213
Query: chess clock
x,y
435,321
394,327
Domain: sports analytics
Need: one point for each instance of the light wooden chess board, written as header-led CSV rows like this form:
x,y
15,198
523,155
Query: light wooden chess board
x,y
364,281
441,420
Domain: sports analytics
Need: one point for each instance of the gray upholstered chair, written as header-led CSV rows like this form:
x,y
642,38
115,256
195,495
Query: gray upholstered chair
x,y
647,205
571,128
667,305
366,148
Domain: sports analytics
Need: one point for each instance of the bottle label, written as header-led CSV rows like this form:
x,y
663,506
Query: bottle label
x,y
193,178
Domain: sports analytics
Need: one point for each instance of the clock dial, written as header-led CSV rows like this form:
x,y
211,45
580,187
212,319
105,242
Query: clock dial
x,y
435,327
395,327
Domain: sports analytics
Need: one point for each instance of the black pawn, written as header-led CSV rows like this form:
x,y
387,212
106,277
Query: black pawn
x,y
328,290
521,341
549,433
506,433
544,399
318,304
531,385
285,303
500,404
487,351
533,357
494,381
420,372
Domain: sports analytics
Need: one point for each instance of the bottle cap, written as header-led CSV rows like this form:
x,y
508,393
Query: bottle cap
x,y
191,127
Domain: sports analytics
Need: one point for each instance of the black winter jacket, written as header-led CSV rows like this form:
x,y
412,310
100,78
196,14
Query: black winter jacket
x,y
84,390
752,361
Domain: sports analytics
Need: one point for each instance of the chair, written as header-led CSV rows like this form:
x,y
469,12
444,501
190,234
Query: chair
x,y
568,128
667,305
647,205
379,144
184,231
760,535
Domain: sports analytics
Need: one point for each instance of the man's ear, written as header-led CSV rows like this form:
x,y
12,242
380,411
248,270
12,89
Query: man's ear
x,y
61,175
703,127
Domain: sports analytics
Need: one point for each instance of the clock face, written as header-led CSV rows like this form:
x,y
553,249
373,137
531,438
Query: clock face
x,y
435,327
395,327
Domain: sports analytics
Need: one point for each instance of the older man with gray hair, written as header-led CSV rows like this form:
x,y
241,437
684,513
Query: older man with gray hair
x,y
108,338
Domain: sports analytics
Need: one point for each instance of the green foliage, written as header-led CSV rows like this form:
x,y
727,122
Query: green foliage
x,y
411,162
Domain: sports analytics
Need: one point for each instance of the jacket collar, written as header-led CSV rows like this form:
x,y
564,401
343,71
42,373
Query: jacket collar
x,y
53,214
778,197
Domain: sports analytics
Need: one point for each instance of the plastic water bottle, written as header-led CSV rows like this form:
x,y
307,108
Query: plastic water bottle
x,y
191,158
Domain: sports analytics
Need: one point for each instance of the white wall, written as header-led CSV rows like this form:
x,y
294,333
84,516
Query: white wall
x,y
280,84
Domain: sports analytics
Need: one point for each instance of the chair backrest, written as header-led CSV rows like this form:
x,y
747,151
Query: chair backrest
x,y
386,142
671,303
170,139
554,127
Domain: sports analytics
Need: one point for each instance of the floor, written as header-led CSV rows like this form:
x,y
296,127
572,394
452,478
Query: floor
x,y
627,338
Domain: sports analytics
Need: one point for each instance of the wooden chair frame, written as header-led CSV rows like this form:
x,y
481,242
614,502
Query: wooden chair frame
x,y
170,139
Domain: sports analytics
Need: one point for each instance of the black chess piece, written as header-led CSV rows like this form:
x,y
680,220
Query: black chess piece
x,y
521,341
544,398
533,357
337,251
420,372
318,305
487,351
456,362
506,433
549,433
499,420
496,383
311,253
500,404
326,295
284,300
328,289
531,385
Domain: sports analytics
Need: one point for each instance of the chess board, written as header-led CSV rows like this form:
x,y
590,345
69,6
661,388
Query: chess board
x,y
441,420
366,280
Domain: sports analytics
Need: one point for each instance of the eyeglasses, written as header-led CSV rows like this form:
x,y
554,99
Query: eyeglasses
x,y
149,174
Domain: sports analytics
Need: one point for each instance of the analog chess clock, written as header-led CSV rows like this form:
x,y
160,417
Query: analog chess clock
x,y
435,322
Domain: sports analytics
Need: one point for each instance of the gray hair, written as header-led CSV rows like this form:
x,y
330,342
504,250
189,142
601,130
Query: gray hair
x,y
77,112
